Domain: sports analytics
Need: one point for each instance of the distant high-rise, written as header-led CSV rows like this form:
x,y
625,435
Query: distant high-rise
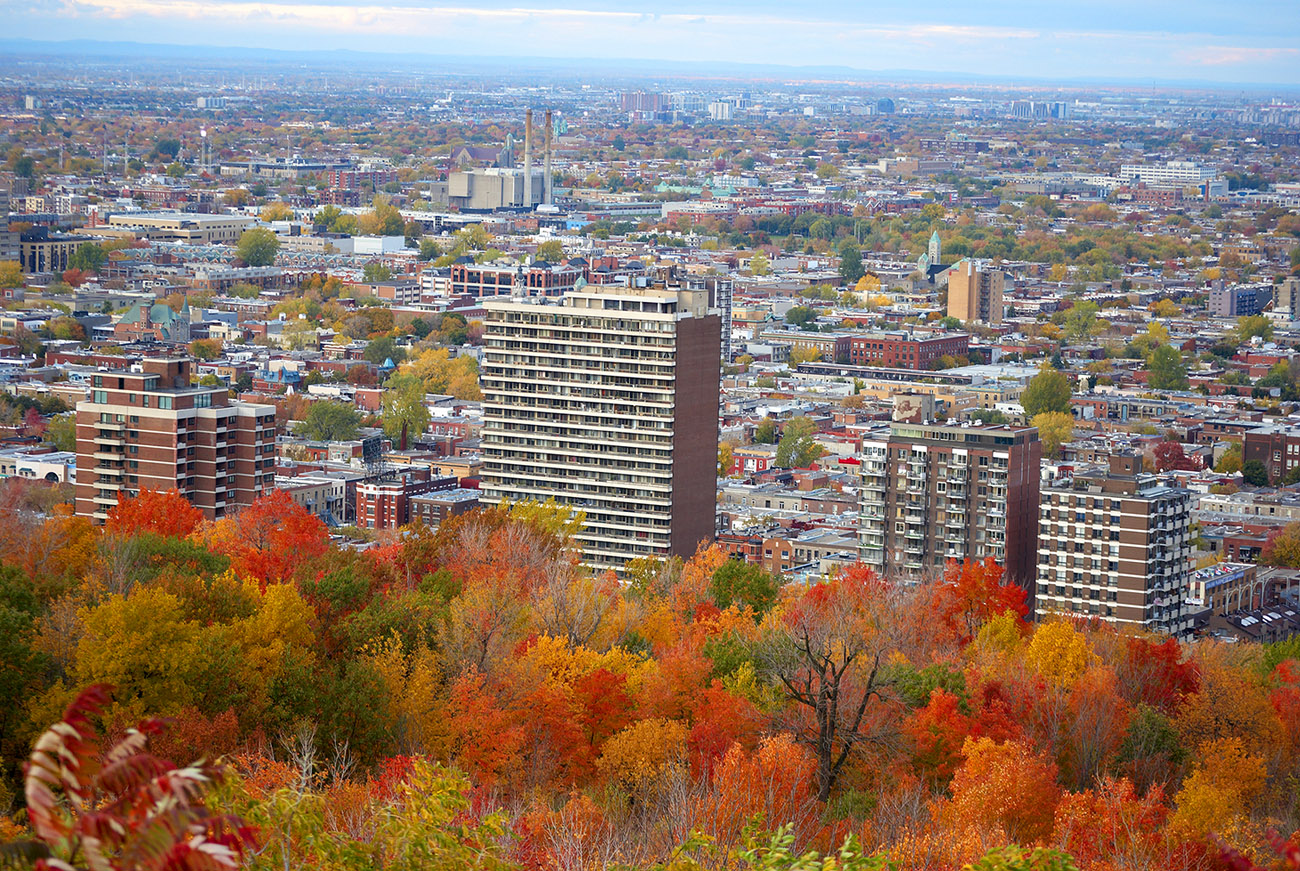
x,y
931,493
153,429
885,106
607,402
975,293
1115,544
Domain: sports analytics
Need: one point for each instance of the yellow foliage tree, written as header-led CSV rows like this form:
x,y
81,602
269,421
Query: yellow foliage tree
x,y
638,757
1217,796
441,373
412,684
1059,653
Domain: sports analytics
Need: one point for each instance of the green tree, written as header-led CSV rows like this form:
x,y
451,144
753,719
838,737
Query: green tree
x,y
329,421
1049,390
429,250
1254,472
800,315
850,262
373,272
619,143
551,251
759,264
257,247
382,349
404,404
743,583
1166,370
1080,321
62,432
765,432
797,449
89,257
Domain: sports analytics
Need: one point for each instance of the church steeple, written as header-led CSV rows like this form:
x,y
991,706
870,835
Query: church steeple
x,y
935,249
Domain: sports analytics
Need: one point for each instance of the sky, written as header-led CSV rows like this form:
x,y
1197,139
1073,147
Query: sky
x,y
1252,41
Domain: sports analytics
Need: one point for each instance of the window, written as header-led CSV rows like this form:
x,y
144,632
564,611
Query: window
x,y
100,397
164,402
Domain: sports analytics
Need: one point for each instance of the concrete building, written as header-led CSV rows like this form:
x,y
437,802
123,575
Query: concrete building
x,y
149,428
485,190
1115,544
607,402
932,493
39,250
1287,295
975,293
511,279
1172,173
178,227
1240,300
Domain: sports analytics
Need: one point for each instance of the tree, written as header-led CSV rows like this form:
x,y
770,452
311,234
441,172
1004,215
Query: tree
x,y
797,448
278,211
973,593
268,540
1230,462
1055,428
850,262
439,372
551,251
61,432
404,413
1049,390
826,652
742,583
161,512
375,272
11,274
759,264
1282,547
89,257
1250,326
765,432
1007,784
1254,473
257,247
726,455
1170,456
1166,370
122,809
800,316
205,349
330,421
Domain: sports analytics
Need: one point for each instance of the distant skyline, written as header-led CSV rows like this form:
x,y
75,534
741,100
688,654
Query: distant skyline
x,y
1199,40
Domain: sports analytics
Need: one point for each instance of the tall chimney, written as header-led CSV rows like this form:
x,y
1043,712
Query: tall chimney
x,y
528,159
546,163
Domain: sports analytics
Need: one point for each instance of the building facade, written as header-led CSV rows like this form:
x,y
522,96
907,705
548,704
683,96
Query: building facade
x,y
975,293
1115,544
607,402
905,351
1277,446
932,493
150,428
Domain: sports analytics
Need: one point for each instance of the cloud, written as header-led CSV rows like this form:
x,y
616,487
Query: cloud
x,y
1236,55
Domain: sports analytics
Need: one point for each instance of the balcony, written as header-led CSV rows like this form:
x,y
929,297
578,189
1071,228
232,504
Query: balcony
x,y
101,471
115,440
112,427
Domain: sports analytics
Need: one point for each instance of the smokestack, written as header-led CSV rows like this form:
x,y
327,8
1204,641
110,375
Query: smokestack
x,y
528,159
546,163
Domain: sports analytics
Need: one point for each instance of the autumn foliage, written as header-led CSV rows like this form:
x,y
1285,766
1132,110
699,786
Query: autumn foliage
x,y
473,696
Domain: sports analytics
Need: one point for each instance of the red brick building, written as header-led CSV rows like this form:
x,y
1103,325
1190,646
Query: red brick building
x,y
905,351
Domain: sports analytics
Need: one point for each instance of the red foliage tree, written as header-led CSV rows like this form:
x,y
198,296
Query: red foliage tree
x,y
270,539
1170,457
1154,673
973,593
162,512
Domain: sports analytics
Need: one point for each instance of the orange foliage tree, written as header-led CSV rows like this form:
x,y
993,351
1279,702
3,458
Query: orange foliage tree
x,y
1007,785
162,512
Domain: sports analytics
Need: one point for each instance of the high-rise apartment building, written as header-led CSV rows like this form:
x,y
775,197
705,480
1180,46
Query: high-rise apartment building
x,y
607,402
152,429
933,492
975,293
1115,544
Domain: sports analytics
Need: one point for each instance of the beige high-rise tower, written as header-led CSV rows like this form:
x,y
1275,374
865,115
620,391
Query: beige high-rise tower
x,y
975,293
